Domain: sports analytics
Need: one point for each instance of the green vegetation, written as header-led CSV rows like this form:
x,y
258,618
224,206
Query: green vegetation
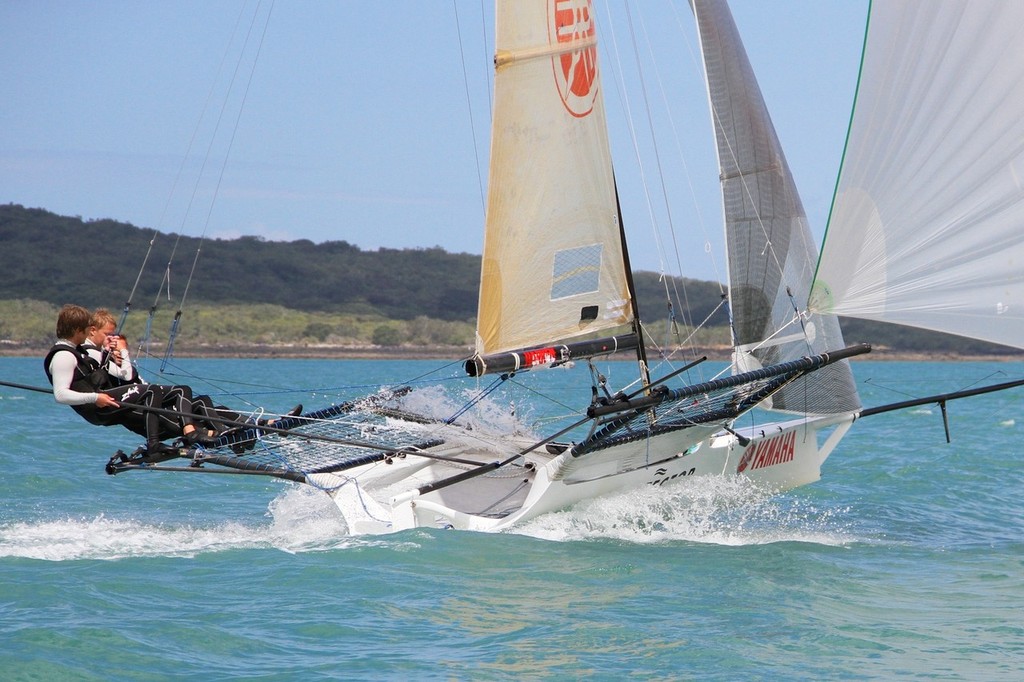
x,y
250,291
30,323
57,259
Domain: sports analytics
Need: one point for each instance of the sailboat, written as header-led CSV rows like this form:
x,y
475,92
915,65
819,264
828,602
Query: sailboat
x,y
556,283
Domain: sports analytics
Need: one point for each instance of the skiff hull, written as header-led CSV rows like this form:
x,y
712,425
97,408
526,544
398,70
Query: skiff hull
x,y
385,497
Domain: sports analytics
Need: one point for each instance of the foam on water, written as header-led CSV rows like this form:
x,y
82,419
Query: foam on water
x,y
487,414
104,538
710,509
302,519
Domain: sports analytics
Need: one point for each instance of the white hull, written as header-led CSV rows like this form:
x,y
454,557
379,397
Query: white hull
x,y
383,497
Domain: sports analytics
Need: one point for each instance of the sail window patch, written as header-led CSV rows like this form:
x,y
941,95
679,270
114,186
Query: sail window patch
x,y
576,271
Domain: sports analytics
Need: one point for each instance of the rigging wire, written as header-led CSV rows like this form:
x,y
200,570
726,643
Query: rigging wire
x,y
668,282
138,277
488,58
169,352
144,341
650,126
684,297
671,323
476,399
469,107
627,110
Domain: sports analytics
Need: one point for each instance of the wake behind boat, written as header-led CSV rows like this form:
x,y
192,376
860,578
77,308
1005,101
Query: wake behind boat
x,y
556,288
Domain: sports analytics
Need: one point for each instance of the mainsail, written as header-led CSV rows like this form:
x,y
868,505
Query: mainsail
x,y
771,254
553,262
926,226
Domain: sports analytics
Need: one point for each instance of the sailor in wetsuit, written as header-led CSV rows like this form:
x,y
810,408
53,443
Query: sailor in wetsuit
x,y
84,378
108,368
80,382
189,421
109,350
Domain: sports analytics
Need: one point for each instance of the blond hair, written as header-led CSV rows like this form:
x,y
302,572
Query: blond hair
x,y
101,317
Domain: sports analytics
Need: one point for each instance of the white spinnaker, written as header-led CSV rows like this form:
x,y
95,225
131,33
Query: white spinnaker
x,y
927,228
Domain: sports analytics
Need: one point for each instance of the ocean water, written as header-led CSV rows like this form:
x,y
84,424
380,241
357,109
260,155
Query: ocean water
x,y
906,561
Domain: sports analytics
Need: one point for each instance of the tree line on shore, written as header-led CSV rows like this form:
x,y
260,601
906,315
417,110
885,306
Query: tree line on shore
x,y
249,290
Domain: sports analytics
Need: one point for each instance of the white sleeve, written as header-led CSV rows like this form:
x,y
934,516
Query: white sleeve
x,y
131,370
62,369
122,371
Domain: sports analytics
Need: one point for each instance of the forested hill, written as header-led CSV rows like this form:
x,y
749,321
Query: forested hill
x,y
60,259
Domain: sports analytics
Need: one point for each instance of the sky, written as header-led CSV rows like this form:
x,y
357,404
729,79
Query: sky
x,y
368,122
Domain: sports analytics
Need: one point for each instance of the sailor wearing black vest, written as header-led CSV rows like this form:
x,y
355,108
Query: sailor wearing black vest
x,y
85,378
80,382
108,349
193,417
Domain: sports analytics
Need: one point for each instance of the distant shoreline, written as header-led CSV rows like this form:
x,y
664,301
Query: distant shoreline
x,y
456,353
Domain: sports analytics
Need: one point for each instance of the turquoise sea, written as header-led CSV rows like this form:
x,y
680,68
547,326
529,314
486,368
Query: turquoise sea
x,y
906,561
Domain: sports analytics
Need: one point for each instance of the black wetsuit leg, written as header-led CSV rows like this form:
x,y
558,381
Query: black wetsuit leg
x,y
202,406
143,422
179,399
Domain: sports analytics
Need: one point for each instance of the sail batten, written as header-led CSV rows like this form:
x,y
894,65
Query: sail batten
x,y
926,223
503,57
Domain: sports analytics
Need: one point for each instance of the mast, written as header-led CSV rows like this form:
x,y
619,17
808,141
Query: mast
x,y
641,348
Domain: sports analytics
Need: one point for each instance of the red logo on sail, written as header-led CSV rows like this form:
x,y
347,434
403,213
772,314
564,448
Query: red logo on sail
x,y
575,70
770,452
